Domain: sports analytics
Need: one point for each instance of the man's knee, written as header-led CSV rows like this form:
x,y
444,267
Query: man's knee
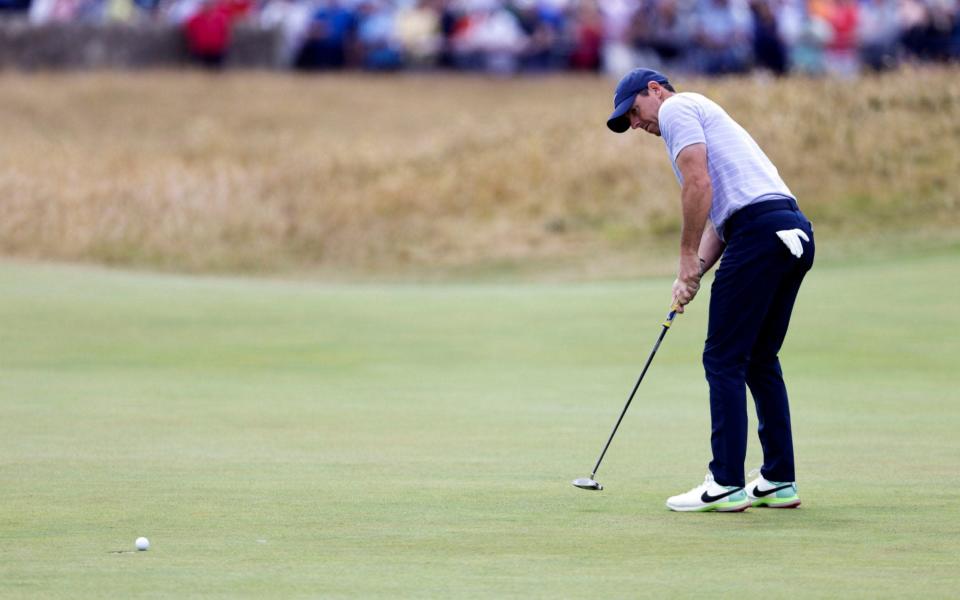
x,y
721,365
763,366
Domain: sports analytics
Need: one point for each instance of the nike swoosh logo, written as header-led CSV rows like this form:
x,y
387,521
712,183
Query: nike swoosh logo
x,y
707,498
761,493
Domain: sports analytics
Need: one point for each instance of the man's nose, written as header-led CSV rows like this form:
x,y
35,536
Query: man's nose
x,y
634,121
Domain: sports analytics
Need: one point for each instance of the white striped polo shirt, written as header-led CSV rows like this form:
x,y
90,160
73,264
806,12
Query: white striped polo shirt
x,y
740,172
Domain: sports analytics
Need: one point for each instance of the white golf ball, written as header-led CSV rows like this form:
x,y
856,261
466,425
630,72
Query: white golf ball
x,y
142,543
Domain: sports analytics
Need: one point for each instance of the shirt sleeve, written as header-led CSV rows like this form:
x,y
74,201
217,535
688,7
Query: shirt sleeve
x,y
681,125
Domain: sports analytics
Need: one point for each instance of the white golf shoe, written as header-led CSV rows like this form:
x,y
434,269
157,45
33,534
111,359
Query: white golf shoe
x,y
711,496
773,494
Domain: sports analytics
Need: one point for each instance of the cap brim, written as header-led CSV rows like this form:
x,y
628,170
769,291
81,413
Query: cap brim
x,y
618,121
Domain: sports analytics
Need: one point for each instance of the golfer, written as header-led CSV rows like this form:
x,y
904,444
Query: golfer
x,y
735,205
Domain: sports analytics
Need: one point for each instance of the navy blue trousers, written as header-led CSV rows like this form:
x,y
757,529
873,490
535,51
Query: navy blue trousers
x,y
751,300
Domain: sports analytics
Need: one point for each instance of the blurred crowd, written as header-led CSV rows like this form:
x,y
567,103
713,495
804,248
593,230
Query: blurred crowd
x,y
839,37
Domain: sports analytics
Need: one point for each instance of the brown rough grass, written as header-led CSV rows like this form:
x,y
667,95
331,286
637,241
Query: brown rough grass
x,y
352,174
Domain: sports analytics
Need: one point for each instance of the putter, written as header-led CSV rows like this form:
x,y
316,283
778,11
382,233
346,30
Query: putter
x,y
589,483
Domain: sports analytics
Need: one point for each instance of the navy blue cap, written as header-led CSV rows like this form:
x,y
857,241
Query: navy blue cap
x,y
626,93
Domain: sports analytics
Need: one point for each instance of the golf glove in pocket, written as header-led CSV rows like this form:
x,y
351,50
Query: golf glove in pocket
x,y
791,239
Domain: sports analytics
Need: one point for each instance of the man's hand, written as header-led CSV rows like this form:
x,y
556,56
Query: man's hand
x,y
687,283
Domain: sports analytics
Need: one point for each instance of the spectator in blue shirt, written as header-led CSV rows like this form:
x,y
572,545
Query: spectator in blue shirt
x,y
330,37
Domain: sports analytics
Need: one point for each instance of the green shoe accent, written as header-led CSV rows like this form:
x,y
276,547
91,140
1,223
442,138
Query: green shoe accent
x,y
788,497
791,501
734,503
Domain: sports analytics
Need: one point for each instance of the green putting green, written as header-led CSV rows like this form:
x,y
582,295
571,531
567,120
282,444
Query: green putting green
x,y
278,439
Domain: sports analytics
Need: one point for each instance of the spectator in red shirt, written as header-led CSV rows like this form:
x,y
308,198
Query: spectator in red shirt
x,y
208,33
843,18
587,38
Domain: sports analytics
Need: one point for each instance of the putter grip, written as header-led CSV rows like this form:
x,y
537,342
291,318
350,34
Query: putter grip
x,y
670,316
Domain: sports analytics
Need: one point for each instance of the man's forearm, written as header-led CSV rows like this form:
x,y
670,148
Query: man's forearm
x,y
696,196
711,247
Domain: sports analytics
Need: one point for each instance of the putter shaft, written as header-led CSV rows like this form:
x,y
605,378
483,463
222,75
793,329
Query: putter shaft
x,y
666,325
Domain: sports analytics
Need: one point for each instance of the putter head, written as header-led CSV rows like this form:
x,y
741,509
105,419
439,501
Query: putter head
x,y
586,483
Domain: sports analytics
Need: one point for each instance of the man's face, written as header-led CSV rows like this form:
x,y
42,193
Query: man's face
x,y
643,115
